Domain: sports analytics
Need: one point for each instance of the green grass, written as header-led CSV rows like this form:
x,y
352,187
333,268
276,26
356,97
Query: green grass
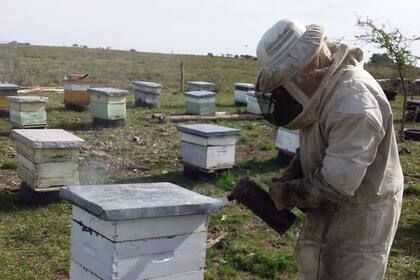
x,y
10,164
34,241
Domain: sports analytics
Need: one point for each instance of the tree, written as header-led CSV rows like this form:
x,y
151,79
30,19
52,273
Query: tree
x,y
397,47
381,59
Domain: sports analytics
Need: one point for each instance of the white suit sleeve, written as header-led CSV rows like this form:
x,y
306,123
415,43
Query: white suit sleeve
x,y
353,141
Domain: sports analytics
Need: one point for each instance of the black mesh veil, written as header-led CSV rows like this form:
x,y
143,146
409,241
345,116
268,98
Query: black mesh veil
x,y
278,107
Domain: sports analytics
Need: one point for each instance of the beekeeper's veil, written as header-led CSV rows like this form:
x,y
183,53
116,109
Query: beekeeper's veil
x,y
297,65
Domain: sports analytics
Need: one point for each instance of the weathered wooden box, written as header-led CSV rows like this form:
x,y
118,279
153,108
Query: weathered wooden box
x,y
6,89
241,93
287,141
200,85
208,146
108,104
138,231
253,106
47,157
147,94
27,111
75,91
201,102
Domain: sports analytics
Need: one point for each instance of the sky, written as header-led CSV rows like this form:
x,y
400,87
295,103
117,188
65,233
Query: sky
x,y
190,26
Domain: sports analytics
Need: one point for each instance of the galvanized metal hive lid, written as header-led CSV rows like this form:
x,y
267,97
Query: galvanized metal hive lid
x,y
137,201
108,91
7,86
208,130
28,99
201,83
147,84
200,94
47,138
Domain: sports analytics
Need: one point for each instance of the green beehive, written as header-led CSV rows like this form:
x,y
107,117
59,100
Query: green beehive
x,y
108,105
201,102
27,111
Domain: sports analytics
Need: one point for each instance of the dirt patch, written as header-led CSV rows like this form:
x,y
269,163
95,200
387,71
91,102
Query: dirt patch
x,y
9,180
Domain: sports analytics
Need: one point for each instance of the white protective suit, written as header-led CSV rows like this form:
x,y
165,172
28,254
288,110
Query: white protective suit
x,y
351,182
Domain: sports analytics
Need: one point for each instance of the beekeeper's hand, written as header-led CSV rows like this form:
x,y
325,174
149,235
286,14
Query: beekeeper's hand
x,y
293,171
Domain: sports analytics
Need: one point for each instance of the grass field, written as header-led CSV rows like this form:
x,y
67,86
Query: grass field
x,y
34,240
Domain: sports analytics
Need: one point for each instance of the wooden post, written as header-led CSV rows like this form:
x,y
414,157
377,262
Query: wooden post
x,y
182,77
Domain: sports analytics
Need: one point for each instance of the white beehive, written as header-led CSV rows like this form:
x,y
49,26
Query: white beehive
x,y
147,94
253,106
200,102
208,146
241,93
47,157
287,141
200,85
138,231
27,111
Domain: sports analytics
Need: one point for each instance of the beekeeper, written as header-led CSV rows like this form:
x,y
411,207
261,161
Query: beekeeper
x,y
347,174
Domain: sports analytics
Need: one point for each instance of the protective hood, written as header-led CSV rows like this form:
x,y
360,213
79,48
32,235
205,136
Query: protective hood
x,y
343,57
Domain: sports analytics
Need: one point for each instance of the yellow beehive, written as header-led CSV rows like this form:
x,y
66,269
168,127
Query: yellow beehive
x,y
75,91
6,89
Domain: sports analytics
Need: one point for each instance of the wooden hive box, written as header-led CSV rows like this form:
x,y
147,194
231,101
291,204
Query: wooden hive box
x,y
138,231
147,94
241,93
75,91
208,146
6,89
200,85
108,104
287,141
253,107
47,157
27,111
200,102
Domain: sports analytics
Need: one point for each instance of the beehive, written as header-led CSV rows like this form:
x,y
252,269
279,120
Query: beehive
x,y
147,94
75,92
287,141
208,146
253,106
200,85
27,111
200,102
107,105
47,157
241,93
138,231
6,89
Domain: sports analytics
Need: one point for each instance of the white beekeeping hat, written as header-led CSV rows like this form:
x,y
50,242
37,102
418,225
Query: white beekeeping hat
x,y
285,49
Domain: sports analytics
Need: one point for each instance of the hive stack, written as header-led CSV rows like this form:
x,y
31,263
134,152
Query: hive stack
x,y
28,111
241,93
108,106
47,158
6,89
76,96
200,102
253,107
200,85
138,231
147,94
287,143
208,147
